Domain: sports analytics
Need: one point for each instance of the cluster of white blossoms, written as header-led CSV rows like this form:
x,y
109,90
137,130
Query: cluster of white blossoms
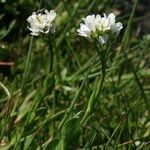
x,y
99,27
41,22
94,26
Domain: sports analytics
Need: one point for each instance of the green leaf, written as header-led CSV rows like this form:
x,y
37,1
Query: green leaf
x,y
5,32
50,144
1,16
28,141
49,83
69,134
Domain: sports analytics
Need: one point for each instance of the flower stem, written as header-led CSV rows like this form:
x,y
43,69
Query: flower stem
x,y
95,93
51,59
78,93
26,70
51,52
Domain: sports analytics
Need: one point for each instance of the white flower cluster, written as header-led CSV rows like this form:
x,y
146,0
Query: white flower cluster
x,y
41,22
99,27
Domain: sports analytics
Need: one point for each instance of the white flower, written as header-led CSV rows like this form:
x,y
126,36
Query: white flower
x,y
99,27
41,22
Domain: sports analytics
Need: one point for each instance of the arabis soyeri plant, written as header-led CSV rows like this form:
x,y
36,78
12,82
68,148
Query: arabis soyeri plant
x,y
41,22
99,30
96,26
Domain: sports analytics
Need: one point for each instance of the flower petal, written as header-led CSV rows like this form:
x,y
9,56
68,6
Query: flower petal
x,y
111,18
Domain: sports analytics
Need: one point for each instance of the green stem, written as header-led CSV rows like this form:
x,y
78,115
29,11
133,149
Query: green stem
x,y
78,94
51,52
51,59
96,92
26,70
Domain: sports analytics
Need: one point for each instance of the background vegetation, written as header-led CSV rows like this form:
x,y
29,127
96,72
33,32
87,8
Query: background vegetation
x,y
45,112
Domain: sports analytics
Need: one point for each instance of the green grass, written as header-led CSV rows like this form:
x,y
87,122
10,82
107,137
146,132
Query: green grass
x,y
52,98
